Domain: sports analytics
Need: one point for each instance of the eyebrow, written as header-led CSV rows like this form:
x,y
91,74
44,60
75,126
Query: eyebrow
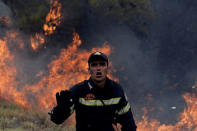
x,y
100,63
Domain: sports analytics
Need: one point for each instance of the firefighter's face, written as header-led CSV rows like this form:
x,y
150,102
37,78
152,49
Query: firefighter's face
x,y
98,70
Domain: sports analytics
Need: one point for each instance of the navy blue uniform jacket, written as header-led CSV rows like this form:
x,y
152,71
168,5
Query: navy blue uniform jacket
x,y
97,108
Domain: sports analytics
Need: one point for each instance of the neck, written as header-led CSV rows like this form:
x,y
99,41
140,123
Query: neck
x,y
99,83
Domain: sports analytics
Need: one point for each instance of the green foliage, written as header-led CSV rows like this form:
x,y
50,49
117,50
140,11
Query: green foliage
x,y
73,12
133,12
32,20
29,20
30,14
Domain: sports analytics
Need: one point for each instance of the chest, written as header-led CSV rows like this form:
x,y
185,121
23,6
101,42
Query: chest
x,y
91,103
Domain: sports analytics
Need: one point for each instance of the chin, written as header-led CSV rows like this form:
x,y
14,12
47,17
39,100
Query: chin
x,y
99,79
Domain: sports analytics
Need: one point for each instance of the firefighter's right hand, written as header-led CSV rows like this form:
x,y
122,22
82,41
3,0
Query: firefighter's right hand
x,y
62,111
64,98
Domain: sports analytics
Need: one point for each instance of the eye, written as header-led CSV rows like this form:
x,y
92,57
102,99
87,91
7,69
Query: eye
x,y
94,64
102,63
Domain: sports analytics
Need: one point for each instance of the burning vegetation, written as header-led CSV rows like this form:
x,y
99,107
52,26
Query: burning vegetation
x,y
53,18
69,68
65,70
185,122
36,41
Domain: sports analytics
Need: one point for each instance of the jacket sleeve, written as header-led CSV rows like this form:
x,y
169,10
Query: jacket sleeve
x,y
59,114
124,115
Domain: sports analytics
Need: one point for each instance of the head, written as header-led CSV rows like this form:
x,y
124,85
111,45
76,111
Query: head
x,y
98,66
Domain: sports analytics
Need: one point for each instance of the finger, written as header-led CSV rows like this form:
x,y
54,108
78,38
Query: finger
x,y
62,93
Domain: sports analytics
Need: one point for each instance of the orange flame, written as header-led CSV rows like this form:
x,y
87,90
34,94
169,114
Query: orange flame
x,y
36,41
65,71
15,39
187,120
189,116
53,19
8,75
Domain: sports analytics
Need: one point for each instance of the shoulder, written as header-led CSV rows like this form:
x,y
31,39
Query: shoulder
x,y
116,86
78,87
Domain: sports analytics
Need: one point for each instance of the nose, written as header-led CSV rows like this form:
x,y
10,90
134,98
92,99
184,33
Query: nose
x,y
98,69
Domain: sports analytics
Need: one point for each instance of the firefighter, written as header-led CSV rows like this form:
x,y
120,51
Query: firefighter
x,y
99,102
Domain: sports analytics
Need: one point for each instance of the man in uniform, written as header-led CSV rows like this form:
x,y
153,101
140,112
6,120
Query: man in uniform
x,y
98,102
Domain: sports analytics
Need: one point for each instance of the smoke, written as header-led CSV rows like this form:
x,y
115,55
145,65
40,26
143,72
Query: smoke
x,y
5,11
29,63
162,64
4,14
154,71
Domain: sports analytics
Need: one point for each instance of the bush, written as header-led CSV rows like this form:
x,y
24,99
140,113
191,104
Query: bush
x,y
136,13
30,14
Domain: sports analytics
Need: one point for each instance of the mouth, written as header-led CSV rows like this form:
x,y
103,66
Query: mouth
x,y
98,74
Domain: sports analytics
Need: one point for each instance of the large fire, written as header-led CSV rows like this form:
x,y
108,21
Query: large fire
x,y
8,75
69,68
187,120
65,71
53,19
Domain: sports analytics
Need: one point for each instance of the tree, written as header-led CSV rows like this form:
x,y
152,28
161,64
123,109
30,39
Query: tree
x,y
29,15
138,14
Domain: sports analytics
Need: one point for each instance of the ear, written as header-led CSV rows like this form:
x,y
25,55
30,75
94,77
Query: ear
x,y
89,69
108,69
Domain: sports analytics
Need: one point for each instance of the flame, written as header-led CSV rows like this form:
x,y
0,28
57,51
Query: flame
x,y
69,68
8,75
65,71
189,116
53,18
36,41
14,37
186,122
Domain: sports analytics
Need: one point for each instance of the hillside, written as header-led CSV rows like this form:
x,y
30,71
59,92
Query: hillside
x,y
15,118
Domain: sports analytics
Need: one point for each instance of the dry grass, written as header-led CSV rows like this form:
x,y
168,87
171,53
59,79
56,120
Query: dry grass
x,y
15,118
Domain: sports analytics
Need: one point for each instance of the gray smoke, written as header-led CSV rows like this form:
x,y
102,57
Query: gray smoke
x,y
5,11
165,58
162,64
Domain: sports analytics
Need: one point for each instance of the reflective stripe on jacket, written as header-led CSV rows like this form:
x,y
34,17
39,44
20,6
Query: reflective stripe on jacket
x,y
97,108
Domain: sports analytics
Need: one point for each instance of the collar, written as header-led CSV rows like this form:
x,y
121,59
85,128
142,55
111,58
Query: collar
x,y
93,86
